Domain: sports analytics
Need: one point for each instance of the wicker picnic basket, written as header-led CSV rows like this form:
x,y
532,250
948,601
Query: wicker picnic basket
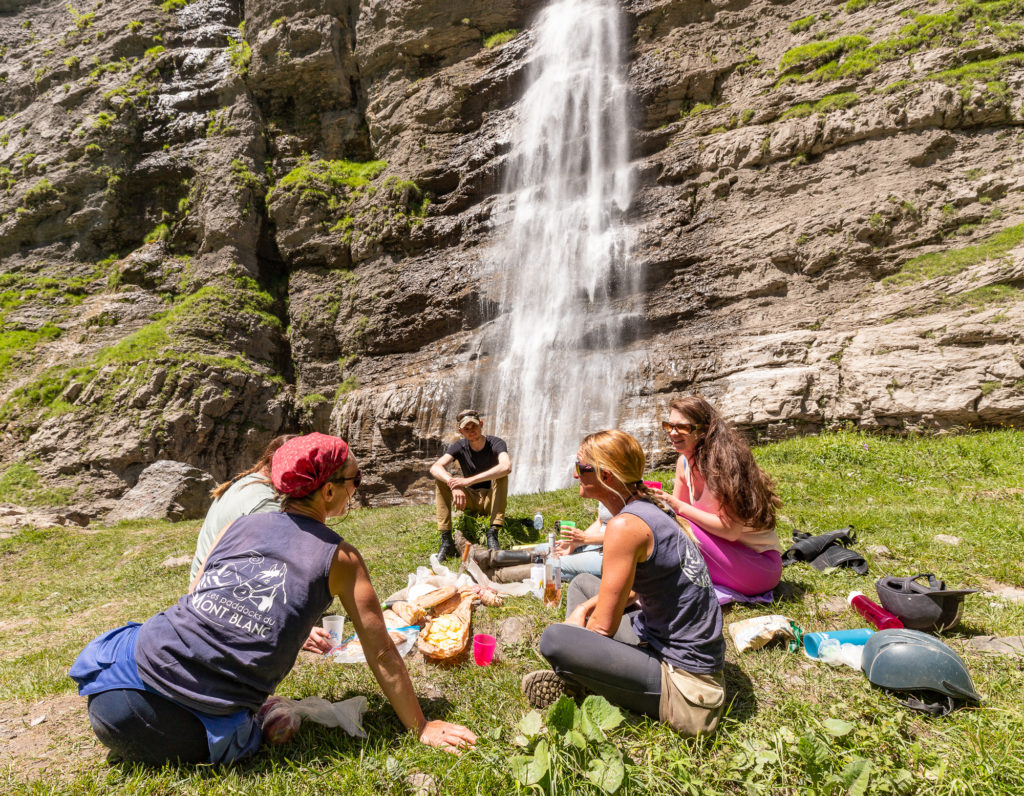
x,y
458,609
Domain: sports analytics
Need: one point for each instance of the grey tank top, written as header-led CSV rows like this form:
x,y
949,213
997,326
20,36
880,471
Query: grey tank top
x,y
679,617
230,642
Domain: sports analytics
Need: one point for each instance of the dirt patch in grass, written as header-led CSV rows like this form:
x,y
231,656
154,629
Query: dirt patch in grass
x,y
1004,590
57,747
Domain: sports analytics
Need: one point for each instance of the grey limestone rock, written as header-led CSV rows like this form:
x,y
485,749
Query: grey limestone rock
x,y
166,490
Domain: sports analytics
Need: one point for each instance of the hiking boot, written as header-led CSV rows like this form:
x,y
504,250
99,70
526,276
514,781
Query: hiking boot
x,y
447,548
543,688
492,537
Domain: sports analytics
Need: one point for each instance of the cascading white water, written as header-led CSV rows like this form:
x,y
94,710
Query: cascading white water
x,y
565,261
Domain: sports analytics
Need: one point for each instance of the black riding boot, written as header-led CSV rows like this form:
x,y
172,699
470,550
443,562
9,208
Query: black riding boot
x,y
492,538
447,548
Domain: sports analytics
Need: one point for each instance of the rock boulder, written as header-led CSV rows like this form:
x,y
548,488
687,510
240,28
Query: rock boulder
x,y
166,490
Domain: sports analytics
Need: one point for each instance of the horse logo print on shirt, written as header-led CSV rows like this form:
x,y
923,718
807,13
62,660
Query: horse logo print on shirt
x,y
242,593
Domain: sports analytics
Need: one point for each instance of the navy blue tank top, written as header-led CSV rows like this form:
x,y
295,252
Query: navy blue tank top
x,y
679,617
230,642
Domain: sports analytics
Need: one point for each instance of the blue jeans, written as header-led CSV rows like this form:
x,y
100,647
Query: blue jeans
x,y
142,727
586,559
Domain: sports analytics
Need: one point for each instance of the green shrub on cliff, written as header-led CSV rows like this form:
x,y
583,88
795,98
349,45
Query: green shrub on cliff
x,y
497,39
239,52
40,193
317,180
802,24
851,56
833,102
953,261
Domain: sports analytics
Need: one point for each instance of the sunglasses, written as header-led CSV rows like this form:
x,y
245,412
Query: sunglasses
x,y
678,428
582,468
356,479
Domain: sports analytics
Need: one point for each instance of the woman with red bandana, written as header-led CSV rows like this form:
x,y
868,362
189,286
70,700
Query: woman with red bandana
x,y
186,685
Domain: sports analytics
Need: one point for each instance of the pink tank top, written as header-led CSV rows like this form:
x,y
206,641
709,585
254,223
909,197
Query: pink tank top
x,y
759,541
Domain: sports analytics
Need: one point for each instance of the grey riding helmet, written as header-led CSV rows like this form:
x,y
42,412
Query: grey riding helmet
x,y
932,607
911,661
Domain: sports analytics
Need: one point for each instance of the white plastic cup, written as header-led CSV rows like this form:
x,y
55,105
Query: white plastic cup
x,y
335,626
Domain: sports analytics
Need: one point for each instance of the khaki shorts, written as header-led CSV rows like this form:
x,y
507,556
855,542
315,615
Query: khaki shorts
x,y
691,704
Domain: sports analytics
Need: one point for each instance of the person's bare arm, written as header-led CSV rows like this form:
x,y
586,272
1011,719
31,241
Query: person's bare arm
x,y
627,541
439,469
500,470
202,569
350,581
592,534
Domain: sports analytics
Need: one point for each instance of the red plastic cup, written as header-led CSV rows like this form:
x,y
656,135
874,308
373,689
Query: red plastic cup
x,y
652,484
483,649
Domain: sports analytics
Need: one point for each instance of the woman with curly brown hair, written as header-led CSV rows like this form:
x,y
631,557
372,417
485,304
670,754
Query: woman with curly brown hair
x,y
727,498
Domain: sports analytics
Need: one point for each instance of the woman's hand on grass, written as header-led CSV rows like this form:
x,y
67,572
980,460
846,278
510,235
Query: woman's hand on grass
x,y
444,735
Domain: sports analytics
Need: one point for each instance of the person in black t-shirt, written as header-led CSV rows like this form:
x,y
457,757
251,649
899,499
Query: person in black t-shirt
x,y
483,487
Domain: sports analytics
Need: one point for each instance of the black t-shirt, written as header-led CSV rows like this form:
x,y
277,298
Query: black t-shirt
x,y
473,462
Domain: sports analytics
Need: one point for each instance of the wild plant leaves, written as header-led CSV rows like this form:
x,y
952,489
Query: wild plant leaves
x,y
572,742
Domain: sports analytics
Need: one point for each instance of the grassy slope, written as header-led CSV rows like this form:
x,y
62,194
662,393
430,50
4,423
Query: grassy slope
x,y
59,588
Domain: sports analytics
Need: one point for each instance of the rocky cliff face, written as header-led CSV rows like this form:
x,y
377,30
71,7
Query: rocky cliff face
x,y
220,221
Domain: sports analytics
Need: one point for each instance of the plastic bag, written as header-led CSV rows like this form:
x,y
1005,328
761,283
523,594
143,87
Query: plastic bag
x,y
351,650
835,654
281,717
754,633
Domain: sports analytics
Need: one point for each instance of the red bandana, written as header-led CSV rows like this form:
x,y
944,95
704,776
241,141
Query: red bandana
x,y
304,464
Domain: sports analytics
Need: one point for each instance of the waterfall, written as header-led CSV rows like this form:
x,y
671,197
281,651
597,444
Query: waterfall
x,y
567,281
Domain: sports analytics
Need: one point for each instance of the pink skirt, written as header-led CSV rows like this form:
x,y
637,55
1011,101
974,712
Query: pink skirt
x,y
736,566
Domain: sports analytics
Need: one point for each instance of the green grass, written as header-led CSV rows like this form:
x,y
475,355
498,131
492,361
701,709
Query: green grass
x,y
497,39
21,484
61,587
953,261
319,179
802,24
851,56
180,337
833,102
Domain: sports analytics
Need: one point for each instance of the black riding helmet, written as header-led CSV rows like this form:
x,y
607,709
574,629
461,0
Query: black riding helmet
x,y
932,607
910,661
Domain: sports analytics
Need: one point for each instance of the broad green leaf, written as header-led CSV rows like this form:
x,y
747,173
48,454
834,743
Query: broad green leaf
x,y
838,727
575,737
855,776
531,724
521,768
541,764
591,730
531,769
606,770
602,712
562,715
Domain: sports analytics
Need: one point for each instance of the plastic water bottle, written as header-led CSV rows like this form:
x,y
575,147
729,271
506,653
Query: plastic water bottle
x,y
537,575
873,612
552,576
538,521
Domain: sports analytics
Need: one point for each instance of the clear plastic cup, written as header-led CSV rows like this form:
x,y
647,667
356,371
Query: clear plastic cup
x,y
335,626
483,649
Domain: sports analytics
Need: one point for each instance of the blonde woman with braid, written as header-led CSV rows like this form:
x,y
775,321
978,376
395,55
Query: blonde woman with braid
x,y
647,635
